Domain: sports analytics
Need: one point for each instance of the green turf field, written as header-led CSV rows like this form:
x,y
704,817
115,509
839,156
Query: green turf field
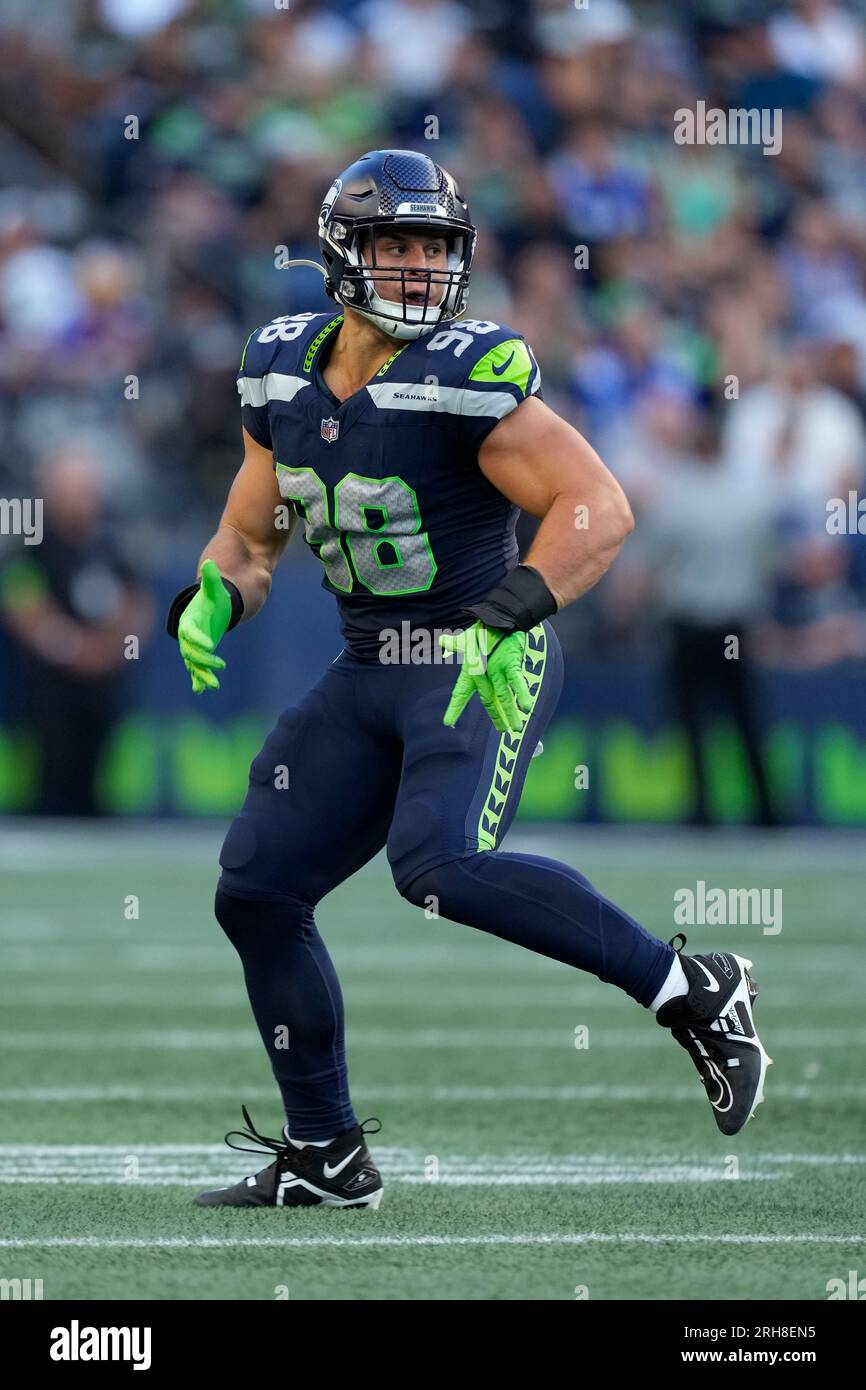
x,y
128,1048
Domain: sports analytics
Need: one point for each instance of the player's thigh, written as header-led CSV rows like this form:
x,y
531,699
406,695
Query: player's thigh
x,y
460,786
320,799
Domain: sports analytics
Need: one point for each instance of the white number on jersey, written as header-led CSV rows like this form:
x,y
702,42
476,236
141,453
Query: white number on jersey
x,y
460,337
287,327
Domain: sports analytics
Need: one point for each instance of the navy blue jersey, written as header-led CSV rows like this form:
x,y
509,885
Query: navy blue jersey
x,y
387,483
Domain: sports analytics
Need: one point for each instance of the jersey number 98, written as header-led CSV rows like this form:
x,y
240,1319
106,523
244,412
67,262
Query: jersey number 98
x,y
376,523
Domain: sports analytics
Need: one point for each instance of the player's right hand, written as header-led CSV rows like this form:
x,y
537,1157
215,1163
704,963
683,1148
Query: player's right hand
x,y
493,670
202,624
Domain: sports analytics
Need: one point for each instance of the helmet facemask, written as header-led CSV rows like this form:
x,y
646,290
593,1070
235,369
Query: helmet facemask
x,y
429,297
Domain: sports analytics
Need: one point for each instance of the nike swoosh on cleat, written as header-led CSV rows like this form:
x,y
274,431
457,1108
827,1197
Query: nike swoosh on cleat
x,y
725,1098
338,1168
497,371
713,986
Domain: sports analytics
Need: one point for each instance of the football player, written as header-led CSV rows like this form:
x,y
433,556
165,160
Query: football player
x,y
406,438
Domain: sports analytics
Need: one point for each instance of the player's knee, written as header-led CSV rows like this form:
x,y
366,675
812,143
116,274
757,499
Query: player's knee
x,y
243,918
422,891
235,914
413,839
255,865
436,890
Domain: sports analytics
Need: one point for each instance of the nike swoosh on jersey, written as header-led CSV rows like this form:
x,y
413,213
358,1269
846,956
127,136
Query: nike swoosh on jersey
x,y
338,1168
497,371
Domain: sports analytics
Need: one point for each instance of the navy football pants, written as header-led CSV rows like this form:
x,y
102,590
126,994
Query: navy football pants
x,y
364,761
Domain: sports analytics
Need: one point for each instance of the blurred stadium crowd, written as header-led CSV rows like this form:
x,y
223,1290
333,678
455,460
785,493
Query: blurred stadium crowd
x,y
710,342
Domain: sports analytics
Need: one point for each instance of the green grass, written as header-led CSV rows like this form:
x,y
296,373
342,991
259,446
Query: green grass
x,y
127,1048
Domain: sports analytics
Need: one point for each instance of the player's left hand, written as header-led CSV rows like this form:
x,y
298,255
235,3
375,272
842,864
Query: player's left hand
x,y
493,669
202,624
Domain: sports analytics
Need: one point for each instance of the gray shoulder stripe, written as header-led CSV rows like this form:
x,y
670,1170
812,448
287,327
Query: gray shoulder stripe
x,y
276,386
452,400
252,390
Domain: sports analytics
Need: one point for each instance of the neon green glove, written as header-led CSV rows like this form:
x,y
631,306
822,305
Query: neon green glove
x,y
202,624
493,669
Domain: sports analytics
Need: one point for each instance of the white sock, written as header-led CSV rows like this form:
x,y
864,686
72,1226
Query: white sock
x,y
675,984
311,1143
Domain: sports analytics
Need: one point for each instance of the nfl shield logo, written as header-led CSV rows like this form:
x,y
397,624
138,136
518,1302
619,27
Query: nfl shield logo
x,y
330,429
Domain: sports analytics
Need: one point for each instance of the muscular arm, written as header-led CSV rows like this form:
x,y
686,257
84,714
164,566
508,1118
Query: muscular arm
x,y
248,543
541,464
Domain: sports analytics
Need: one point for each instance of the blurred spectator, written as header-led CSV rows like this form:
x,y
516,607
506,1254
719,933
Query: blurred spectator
x,y
427,36
815,261
815,618
71,604
601,193
708,544
803,437
817,38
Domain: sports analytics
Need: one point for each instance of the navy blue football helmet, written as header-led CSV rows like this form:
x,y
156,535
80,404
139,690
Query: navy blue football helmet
x,y
384,189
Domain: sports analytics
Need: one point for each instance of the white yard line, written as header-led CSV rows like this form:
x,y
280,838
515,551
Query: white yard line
x,y
189,1165
178,997
813,1092
221,1178
395,1154
778,957
385,1242
496,1039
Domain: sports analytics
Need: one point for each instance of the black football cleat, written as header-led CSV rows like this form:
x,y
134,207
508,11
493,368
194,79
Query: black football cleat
x,y
341,1175
714,1023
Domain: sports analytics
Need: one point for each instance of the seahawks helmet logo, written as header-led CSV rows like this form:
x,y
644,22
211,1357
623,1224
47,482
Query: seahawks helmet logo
x,y
331,197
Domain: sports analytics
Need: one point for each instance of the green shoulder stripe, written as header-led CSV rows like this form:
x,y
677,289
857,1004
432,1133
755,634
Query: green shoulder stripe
x,y
244,353
507,362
